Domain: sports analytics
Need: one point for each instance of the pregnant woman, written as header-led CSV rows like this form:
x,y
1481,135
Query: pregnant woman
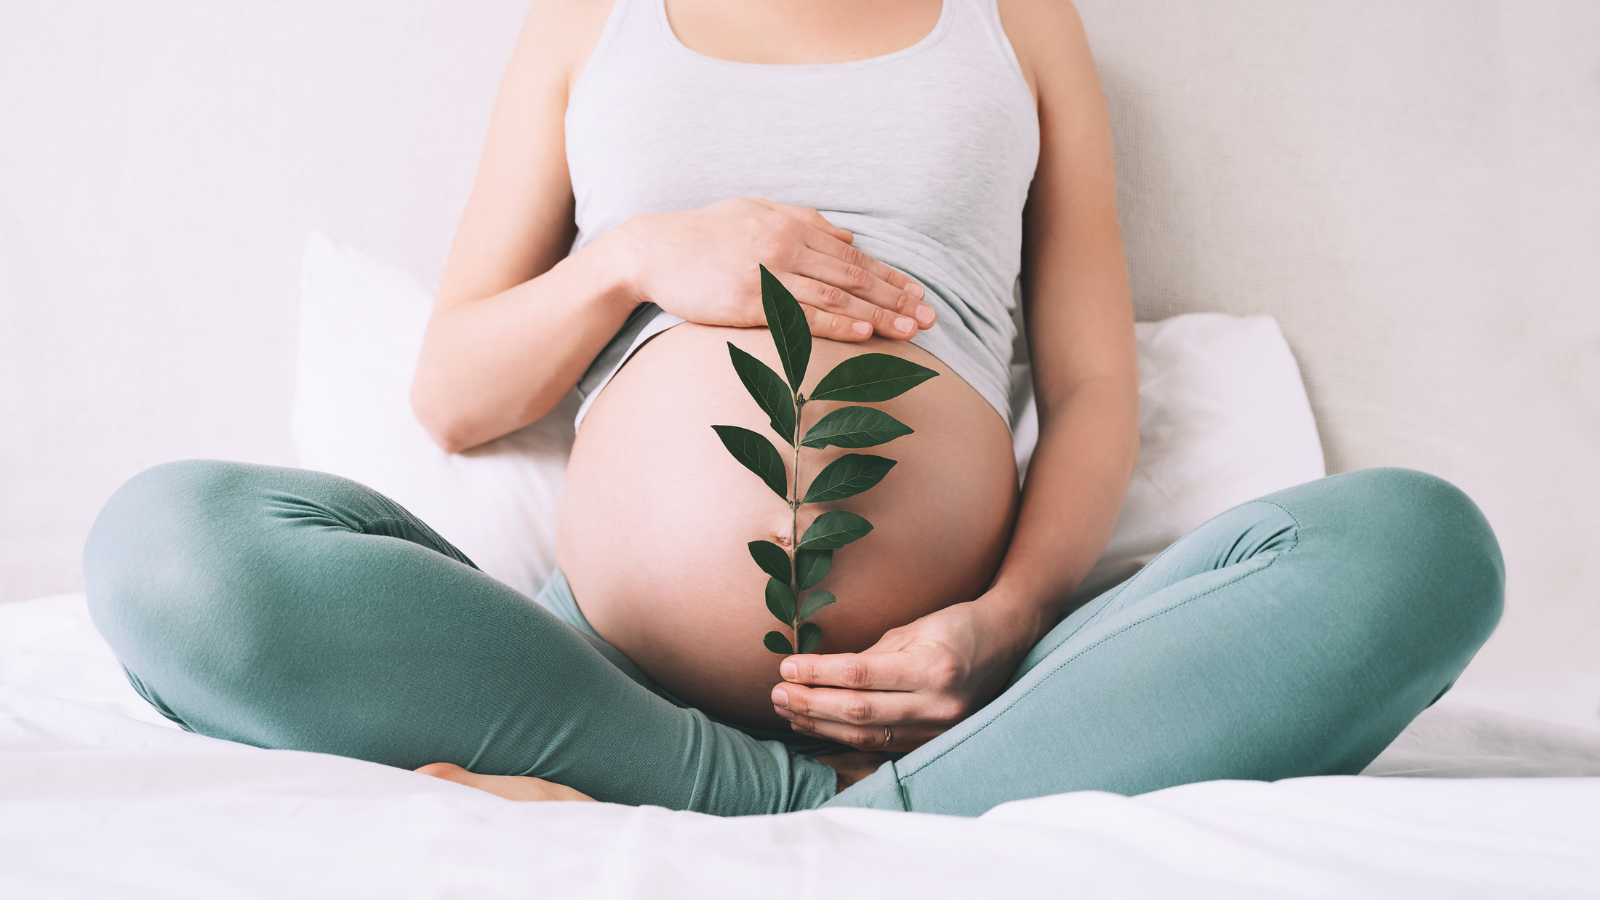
x,y
897,165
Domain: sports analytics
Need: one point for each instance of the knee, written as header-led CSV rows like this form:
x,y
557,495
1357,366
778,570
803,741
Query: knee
x,y
155,513
143,514
150,556
1439,540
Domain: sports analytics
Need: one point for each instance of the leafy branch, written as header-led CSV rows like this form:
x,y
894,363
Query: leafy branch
x,y
868,378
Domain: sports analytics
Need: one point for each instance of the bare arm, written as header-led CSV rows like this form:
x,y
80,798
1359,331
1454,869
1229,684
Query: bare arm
x,y
1080,325
515,324
517,321
924,677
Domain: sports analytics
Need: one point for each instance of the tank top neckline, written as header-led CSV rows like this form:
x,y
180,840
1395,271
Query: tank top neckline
x,y
940,28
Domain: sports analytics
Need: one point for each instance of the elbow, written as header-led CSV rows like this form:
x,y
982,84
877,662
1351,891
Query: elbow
x,y
441,420
457,426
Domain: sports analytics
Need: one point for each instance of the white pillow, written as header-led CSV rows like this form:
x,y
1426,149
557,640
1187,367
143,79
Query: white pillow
x,y
1223,419
361,326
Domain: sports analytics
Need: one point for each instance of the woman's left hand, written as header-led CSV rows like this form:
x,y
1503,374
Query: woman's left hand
x,y
909,687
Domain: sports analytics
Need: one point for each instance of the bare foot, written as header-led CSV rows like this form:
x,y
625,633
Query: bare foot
x,y
511,787
852,767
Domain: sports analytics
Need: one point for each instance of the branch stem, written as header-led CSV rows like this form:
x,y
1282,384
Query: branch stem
x,y
794,526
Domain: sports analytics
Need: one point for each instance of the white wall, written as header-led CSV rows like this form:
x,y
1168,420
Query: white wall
x,y
160,165
1413,189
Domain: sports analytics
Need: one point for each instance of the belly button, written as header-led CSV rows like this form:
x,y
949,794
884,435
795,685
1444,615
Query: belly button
x,y
781,532
782,526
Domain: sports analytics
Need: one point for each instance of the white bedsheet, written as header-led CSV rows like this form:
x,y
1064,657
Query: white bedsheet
x,y
94,802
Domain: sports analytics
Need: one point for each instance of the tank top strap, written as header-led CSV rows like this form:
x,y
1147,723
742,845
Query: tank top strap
x,y
987,27
630,28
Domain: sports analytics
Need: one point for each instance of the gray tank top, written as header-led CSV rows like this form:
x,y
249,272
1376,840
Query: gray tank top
x,y
925,154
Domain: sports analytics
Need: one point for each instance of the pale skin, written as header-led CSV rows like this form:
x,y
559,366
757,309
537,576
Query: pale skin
x,y
518,320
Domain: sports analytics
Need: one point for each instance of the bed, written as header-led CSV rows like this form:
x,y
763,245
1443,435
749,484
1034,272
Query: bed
x,y
1359,235
99,797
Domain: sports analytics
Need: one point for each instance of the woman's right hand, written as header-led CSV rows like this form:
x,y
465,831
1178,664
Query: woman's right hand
x,y
700,265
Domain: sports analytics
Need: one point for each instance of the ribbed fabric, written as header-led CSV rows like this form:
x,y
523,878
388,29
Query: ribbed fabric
x,y
925,154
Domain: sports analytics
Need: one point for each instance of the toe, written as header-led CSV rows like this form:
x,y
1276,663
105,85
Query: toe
x,y
447,771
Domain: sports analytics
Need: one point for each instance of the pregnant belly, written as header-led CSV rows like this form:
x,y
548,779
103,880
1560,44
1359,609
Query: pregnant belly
x,y
655,516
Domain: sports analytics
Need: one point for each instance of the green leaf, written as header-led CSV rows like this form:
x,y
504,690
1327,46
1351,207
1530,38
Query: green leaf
x,y
833,530
813,602
847,476
757,454
787,322
771,558
812,566
809,635
855,427
769,392
777,643
871,378
780,601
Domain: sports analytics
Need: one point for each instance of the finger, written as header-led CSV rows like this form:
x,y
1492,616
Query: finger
x,y
835,326
830,311
856,671
866,708
891,310
840,310
896,738
912,294
815,219
827,308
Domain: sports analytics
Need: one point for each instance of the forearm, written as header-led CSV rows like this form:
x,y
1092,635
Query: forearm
x,y
491,366
1088,445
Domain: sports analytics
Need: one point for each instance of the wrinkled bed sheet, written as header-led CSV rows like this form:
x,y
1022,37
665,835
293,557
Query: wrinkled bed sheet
x,y
99,797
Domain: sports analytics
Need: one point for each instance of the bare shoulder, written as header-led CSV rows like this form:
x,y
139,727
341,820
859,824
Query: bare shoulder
x,y
1050,43
558,36
518,220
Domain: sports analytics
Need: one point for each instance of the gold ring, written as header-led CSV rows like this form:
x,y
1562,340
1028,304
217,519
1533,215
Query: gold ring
x,y
888,736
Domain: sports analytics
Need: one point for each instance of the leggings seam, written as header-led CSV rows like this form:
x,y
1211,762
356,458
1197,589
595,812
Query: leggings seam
x,y
1294,543
1114,592
1118,589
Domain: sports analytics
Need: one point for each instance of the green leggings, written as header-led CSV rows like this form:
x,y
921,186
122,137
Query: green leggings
x,y
1293,635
